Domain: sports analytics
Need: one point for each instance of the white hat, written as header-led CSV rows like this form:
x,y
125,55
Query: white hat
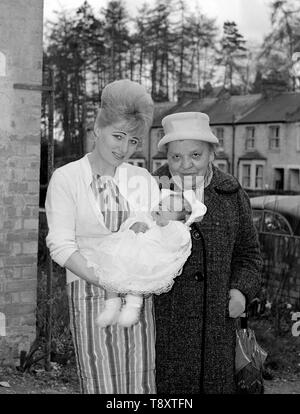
x,y
187,125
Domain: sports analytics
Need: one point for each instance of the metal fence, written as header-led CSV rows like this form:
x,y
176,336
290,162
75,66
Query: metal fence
x,y
281,271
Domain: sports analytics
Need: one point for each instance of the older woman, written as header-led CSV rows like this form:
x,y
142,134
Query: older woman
x,y
86,201
195,321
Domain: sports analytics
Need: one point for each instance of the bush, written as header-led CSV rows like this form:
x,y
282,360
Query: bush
x,y
272,323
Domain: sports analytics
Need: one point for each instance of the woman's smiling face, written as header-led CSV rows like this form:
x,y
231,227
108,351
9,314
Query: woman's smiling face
x,y
189,158
114,144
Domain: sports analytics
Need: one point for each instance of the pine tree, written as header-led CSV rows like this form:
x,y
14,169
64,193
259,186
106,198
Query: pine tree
x,y
232,54
116,38
279,45
158,48
203,33
140,42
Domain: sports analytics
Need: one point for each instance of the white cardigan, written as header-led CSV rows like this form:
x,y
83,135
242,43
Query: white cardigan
x,y
74,218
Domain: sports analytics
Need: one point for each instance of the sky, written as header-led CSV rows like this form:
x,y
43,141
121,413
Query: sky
x,y
251,16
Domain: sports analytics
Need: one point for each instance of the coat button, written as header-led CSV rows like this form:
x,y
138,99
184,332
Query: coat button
x,y
198,276
195,234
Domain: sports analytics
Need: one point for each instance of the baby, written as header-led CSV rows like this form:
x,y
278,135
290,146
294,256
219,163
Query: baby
x,y
145,256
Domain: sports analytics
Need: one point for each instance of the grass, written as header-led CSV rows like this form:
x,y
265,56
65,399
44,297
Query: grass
x,y
283,348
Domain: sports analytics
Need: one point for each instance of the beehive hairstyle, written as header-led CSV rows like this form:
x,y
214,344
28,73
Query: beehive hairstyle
x,y
128,103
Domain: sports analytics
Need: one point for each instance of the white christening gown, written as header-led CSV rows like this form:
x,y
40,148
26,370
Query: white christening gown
x,y
142,263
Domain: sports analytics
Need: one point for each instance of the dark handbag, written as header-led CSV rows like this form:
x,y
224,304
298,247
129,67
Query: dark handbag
x,y
249,360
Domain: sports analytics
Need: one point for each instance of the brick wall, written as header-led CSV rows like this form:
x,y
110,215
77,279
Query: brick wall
x,y
21,45
287,157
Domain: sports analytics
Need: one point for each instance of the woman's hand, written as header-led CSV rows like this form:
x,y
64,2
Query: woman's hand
x,y
237,303
77,264
139,227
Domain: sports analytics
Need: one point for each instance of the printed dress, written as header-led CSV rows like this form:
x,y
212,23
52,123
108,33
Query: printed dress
x,y
111,360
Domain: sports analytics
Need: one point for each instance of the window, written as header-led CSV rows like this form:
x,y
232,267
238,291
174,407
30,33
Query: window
x,y
250,138
137,163
257,217
274,140
160,133
246,177
259,170
220,136
276,223
158,164
271,222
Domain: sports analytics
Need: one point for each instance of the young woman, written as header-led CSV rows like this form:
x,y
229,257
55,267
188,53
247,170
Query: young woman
x,y
86,201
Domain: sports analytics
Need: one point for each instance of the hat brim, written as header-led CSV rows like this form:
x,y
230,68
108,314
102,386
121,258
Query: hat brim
x,y
210,137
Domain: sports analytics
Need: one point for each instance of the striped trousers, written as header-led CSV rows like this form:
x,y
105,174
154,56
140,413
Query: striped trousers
x,y
112,360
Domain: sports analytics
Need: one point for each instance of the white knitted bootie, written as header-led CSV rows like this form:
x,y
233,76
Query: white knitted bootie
x,y
130,313
110,314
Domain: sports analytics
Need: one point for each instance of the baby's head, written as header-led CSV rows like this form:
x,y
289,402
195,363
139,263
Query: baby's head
x,y
172,206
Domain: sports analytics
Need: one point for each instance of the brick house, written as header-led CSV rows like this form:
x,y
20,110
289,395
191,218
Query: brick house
x,y
271,131
21,29
259,137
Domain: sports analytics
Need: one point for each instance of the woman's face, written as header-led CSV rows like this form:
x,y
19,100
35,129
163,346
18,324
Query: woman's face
x,y
189,158
114,145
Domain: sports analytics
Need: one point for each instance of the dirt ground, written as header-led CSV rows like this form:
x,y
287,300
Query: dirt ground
x,y
283,386
57,381
65,382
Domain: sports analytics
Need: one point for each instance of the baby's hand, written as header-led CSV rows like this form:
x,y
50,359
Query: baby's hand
x,y
139,227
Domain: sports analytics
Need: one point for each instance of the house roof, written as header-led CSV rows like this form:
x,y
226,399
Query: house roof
x,y
244,109
219,110
160,109
160,156
284,107
252,155
227,108
193,105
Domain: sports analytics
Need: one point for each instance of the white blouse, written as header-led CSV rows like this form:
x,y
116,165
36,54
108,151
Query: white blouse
x,y
74,218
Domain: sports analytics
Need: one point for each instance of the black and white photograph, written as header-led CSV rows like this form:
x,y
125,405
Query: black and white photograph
x,y
150,200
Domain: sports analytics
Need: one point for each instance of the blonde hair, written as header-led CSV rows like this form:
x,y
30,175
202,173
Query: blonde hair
x,y
127,102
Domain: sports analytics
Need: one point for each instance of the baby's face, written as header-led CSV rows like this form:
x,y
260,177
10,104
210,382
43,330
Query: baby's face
x,y
170,208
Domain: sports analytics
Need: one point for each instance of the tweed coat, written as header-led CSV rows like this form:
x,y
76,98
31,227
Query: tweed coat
x,y
195,337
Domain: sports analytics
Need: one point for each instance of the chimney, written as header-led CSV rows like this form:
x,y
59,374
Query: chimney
x,y
187,91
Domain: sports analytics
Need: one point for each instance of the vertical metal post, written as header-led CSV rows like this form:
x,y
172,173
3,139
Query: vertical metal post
x,y
48,333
